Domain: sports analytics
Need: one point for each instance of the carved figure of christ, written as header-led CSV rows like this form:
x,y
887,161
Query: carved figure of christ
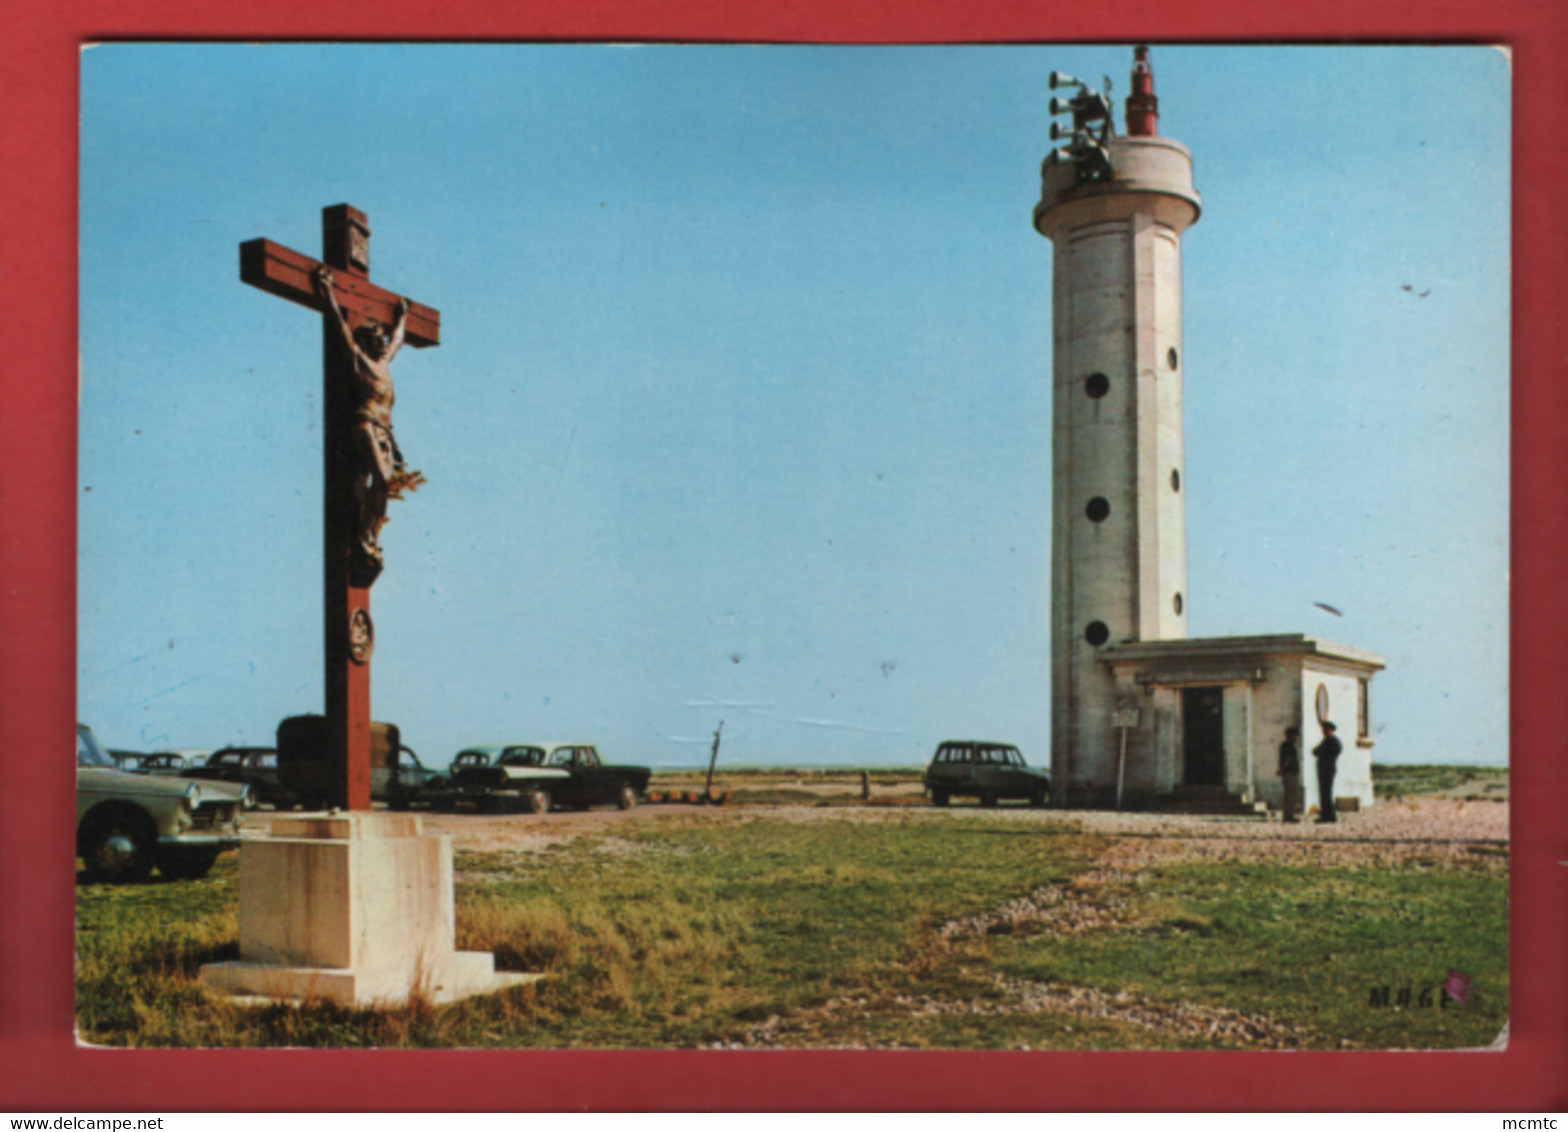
x,y
362,327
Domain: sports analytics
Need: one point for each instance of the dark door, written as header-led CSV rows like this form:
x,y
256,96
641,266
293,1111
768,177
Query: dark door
x,y
1203,736
595,781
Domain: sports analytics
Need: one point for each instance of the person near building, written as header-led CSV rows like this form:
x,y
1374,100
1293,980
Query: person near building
x,y
1290,774
1327,755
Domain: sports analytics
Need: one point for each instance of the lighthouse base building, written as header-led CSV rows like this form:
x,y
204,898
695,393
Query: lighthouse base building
x,y
1141,713
1205,717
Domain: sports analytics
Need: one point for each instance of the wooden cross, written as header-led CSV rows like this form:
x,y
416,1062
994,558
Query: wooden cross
x,y
349,633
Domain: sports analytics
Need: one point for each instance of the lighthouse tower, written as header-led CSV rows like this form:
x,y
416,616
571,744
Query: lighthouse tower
x,y
1114,209
1141,711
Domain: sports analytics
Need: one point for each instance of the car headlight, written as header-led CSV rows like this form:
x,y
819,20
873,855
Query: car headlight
x,y
192,795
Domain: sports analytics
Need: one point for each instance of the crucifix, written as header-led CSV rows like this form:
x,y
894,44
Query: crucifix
x,y
363,326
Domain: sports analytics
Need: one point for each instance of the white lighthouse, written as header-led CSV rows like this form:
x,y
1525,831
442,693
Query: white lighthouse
x,y
1137,709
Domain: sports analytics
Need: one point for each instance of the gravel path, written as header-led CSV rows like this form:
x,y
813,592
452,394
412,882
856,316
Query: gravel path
x,y
1391,831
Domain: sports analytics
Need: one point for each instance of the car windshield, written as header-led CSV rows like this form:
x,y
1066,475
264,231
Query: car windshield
x,y
88,752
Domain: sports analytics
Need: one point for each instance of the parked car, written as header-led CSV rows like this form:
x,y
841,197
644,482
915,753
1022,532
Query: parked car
x,y
505,777
256,767
188,757
540,775
411,783
128,824
158,762
967,768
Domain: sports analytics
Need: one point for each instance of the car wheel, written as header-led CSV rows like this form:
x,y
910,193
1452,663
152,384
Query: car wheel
x,y
1037,800
186,864
627,797
539,800
118,846
988,798
939,797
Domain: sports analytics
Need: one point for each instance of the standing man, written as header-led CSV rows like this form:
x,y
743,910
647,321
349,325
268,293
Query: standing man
x,y
1290,773
1327,754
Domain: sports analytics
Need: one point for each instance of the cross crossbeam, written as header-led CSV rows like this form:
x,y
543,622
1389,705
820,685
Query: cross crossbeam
x,y
287,274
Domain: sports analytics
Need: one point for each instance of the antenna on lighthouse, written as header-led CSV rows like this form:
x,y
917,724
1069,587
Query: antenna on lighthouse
x,y
1087,134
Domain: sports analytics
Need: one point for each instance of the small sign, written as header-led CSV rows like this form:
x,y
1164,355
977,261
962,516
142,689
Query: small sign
x,y
1124,718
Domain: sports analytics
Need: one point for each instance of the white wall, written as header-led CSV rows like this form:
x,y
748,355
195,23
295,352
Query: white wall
x,y
1276,705
1353,777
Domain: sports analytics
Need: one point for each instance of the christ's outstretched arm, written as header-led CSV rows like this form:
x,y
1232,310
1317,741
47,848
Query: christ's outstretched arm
x,y
324,291
399,324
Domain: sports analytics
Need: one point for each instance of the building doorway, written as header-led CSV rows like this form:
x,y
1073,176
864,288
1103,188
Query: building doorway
x,y
1203,736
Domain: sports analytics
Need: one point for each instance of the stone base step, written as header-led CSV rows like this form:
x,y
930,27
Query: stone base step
x,y
461,975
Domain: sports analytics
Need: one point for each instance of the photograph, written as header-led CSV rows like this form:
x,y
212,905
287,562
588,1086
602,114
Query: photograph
x,y
681,546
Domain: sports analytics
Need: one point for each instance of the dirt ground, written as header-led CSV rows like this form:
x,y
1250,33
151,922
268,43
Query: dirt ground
x,y
1393,830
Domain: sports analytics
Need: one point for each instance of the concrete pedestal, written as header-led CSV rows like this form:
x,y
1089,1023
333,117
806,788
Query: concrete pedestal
x,y
353,907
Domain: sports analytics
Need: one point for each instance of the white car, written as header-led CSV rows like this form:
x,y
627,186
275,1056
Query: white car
x,y
127,824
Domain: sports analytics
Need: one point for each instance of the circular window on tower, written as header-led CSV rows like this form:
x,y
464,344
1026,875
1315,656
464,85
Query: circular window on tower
x,y
1097,385
1098,509
1320,703
1170,357
1097,633
1178,605
1175,479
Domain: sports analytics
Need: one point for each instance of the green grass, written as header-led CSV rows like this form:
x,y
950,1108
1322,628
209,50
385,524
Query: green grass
x,y
1306,946
684,933
1395,780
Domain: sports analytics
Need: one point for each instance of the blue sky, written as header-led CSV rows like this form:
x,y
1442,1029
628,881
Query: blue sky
x,y
742,406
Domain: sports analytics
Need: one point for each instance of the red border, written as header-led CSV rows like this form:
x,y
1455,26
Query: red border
x,y
40,1067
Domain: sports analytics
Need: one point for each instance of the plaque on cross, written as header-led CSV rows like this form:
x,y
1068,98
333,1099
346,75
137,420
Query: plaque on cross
x,y
363,327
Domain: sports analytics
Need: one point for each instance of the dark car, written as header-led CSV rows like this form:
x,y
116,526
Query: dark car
x,y
540,775
411,783
158,762
966,768
256,767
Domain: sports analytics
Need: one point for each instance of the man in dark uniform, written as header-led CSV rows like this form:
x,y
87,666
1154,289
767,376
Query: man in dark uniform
x,y
1327,754
1290,773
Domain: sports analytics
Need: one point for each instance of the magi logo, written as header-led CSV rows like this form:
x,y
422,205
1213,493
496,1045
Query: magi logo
x,y
1453,991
